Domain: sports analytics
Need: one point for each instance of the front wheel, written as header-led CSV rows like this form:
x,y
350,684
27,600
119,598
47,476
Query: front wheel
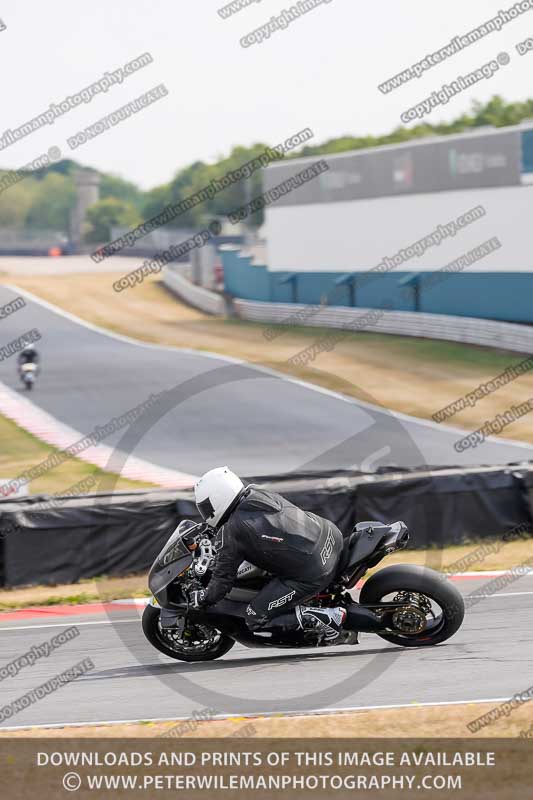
x,y
196,643
437,607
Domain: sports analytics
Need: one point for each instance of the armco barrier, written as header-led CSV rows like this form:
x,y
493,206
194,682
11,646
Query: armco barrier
x,y
203,299
63,540
470,330
507,336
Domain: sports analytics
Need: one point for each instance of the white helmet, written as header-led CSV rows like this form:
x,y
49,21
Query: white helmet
x,y
215,492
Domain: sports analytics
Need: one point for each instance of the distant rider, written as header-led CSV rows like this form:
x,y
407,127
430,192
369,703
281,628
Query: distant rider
x,y
299,548
28,356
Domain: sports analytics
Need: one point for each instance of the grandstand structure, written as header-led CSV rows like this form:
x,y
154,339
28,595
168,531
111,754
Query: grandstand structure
x,y
374,226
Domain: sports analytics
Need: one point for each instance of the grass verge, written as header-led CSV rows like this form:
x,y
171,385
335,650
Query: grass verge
x,y
21,450
99,590
395,723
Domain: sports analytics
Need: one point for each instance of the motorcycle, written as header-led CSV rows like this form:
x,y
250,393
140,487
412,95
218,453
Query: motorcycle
x,y
406,605
28,374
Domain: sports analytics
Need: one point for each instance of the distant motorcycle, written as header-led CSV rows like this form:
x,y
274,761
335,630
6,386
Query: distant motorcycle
x,y
407,605
28,374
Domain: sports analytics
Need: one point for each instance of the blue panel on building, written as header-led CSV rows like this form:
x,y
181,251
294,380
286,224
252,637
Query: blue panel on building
x,y
527,151
491,295
241,279
496,295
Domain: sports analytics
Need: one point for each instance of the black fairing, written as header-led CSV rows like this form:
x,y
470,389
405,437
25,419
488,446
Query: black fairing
x,y
173,559
369,542
160,577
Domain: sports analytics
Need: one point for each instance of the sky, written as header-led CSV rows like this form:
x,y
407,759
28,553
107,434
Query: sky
x,y
322,72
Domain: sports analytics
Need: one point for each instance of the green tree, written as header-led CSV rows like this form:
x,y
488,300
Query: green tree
x,y
496,112
155,200
15,203
105,213
114,186
53,198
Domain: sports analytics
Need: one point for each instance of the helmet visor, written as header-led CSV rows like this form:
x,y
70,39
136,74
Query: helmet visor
x,y
206,509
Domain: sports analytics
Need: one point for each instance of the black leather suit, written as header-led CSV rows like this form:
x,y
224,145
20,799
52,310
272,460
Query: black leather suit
x,y
299,548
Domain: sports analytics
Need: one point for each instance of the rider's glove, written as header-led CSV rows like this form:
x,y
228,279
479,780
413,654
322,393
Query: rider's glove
x,y
197,598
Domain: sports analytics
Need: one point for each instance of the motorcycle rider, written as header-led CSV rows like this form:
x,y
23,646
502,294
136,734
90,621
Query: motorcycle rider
x,y
299,548
28,356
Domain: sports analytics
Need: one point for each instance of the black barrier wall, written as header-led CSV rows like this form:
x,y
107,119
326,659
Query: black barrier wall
x,y
84,537
62,540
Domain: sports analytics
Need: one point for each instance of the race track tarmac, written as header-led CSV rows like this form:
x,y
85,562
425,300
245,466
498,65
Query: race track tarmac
x,y
217,411
491,657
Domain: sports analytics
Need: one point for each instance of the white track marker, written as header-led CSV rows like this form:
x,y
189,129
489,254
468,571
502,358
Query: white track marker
x,y
50,430
8,628
261,715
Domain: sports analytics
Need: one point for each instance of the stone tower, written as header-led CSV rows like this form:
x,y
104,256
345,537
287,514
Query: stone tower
x,y
87,193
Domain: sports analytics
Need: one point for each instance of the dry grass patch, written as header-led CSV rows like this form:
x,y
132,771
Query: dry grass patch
x,y
21,450
396,723
96,590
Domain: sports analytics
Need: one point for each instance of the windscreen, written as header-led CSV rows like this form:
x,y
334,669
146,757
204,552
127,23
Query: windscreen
x,y
175,547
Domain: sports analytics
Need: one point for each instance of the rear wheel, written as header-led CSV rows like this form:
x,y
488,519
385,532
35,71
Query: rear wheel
x,y
196,643
435,608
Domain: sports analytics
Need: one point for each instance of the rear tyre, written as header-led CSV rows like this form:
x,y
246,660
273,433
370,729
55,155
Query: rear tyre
x,y
216,644
421,582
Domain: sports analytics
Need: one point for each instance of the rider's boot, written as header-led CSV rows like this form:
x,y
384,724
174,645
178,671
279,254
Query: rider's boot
x,y
327,621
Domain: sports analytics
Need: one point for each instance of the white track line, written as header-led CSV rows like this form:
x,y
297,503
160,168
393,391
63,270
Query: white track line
x,y
264,715
266,370
498,594
134,601
142,603
67,622
496,573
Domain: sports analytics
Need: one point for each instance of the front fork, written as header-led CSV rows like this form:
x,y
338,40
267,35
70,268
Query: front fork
x,y
170,618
